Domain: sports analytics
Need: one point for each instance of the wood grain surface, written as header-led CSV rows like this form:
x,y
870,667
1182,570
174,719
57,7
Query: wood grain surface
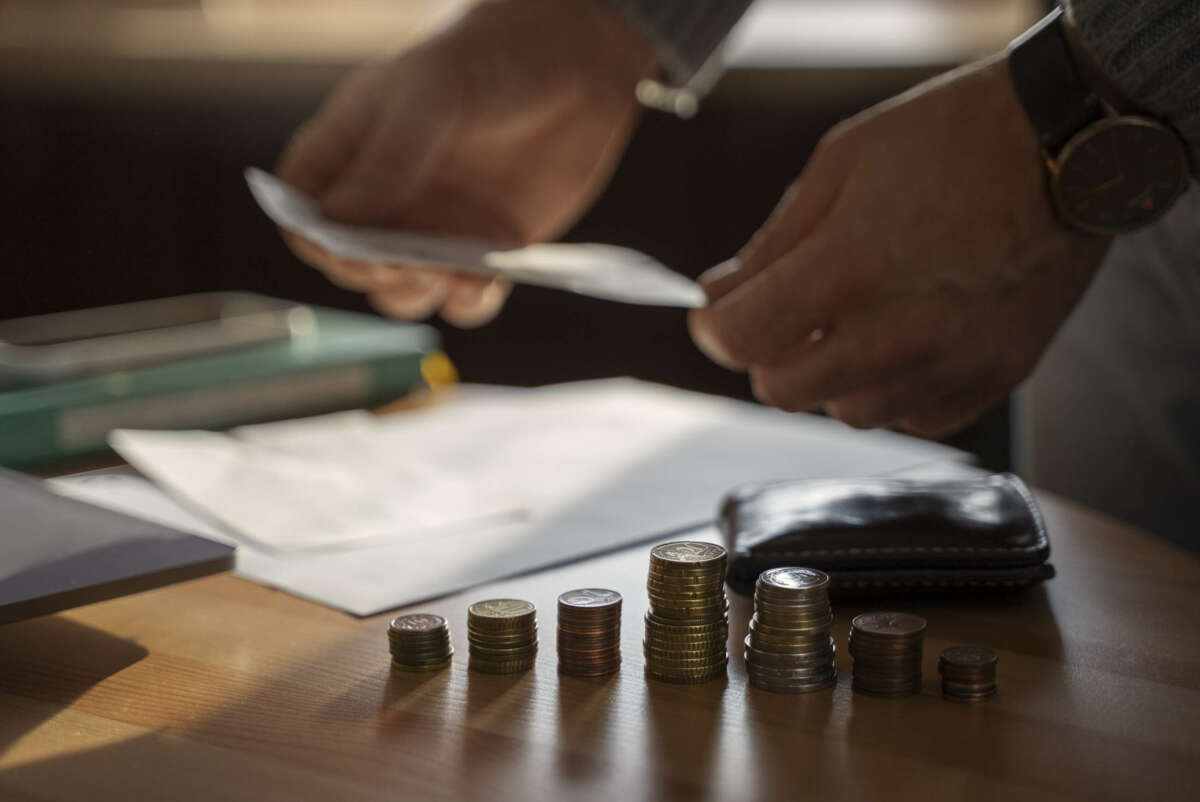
x,y
221,689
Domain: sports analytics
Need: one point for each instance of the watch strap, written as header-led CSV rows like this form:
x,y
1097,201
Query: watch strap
x,y
1050,85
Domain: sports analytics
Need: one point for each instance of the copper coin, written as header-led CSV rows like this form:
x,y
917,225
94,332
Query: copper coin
x,y
889,624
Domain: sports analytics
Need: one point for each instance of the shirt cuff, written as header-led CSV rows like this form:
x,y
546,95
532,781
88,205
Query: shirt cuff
x,y
687,34
1150,49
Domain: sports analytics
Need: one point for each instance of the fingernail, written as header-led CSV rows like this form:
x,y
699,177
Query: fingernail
x,y
423,279
720,271
700,325
469,294
380,273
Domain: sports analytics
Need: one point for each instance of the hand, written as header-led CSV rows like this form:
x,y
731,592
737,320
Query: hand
x,y
915,271
503,127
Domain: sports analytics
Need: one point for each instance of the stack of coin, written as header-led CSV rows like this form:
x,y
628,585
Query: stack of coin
x,y
688,621
420,642
589,632
502,635
886,649
789,648
968,673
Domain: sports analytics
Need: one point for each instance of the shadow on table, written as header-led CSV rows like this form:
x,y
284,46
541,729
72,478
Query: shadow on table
x,y
55,660
790,743
585,706
987,619
684,726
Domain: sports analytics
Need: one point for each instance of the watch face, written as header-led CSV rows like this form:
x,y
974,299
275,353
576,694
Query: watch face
x,y
1119,174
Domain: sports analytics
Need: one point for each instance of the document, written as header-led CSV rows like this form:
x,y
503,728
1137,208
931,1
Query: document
x,y
489,484
601,271
333,481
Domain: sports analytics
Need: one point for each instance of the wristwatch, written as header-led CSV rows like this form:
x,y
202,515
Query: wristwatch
x,y
1109,172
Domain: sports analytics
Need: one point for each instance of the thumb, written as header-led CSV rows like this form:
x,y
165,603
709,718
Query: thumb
x,y
797,215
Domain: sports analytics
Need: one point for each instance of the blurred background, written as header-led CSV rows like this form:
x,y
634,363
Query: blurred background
x,y
126,126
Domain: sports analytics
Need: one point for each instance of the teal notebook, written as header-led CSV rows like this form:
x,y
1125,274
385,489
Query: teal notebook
x,y
344,360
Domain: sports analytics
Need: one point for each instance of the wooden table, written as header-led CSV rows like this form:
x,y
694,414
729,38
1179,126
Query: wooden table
x,y
221,689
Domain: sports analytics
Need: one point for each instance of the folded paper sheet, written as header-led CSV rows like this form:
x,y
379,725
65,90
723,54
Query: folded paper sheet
x,y
601,271
520,479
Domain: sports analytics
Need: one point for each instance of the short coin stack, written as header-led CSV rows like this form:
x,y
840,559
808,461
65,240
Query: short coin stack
x,y
789,648
589,632
886,649
502,635
687,625
419,642
968,673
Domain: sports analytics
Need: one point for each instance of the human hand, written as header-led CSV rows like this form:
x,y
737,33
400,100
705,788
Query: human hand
x,y
914,272
503,127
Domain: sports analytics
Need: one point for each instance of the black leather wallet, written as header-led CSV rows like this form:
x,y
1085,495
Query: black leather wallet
x,y
889,536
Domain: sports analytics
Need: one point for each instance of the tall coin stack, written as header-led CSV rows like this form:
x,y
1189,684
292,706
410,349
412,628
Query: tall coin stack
x,y
589,632
789,648
968,673
502,636
886,650
419,642
688,621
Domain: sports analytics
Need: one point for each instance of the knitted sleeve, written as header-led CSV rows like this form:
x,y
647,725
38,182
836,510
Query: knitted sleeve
x,y
1151,50
686,32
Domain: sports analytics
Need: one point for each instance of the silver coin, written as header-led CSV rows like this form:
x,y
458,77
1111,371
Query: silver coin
x,y
688,551
590,597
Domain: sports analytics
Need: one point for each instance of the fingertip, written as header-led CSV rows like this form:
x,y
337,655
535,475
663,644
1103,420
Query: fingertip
x,y
410,300
474,302
305,249
704,334
348,274
722,278
855,415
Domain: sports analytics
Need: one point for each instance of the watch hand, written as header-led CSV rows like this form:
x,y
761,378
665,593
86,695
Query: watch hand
x,y
1107,185
1144,199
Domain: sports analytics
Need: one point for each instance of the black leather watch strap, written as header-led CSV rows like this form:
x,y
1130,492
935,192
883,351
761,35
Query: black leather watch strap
x,y
1049,84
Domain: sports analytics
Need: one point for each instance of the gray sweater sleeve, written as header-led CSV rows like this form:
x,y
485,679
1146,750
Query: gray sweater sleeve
x,y
1151,50
686,32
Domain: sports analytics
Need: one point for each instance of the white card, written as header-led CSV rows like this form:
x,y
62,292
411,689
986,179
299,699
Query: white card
x,y
599,271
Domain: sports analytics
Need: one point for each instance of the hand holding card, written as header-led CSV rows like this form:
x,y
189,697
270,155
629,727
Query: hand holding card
x,y
599,271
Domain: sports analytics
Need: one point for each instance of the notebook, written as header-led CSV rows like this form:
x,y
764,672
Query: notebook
x,y
57,553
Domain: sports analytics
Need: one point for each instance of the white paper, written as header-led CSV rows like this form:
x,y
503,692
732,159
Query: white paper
x,y
323,482
600,271
592,466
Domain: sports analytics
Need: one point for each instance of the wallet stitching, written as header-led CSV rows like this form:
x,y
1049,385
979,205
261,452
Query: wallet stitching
x,y
947,582
1039,527
937,583
897,550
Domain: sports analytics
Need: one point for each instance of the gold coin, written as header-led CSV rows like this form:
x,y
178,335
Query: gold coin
x,y
685,677
674,626
500,614
516,636
688,551
421,667
500,666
